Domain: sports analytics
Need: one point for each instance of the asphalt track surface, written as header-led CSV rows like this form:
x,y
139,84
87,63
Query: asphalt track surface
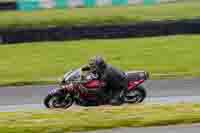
x,y
159,91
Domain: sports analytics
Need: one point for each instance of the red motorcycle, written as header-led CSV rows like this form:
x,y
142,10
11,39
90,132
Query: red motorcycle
x,y
73,89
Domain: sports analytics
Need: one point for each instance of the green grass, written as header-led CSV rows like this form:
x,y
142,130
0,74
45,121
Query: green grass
x,y
33,63
84,119
99,16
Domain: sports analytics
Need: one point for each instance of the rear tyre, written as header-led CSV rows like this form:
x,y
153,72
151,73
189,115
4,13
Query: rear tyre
x,y
136,96
58,101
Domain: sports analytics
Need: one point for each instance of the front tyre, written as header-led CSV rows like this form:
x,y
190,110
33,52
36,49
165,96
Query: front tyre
x,y
58,101
136,96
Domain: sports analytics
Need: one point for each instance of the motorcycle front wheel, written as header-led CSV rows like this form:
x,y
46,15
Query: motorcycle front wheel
x,y
135,96
58,101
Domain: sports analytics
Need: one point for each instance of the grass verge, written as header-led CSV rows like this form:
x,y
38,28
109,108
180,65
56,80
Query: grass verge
x,y
163,57
100,16
84,119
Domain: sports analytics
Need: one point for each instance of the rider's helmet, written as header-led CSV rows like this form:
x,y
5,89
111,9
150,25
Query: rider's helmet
x,y
97,63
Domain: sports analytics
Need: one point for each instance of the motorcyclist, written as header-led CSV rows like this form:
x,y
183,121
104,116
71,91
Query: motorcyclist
x,y
115,80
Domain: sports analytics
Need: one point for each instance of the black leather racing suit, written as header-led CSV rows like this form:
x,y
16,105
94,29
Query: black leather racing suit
x,y
115,80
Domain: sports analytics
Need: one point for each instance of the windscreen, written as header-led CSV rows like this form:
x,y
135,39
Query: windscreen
x,y
73,75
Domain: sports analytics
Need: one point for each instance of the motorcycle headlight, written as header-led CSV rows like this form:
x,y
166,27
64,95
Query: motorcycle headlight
x,y
144,75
